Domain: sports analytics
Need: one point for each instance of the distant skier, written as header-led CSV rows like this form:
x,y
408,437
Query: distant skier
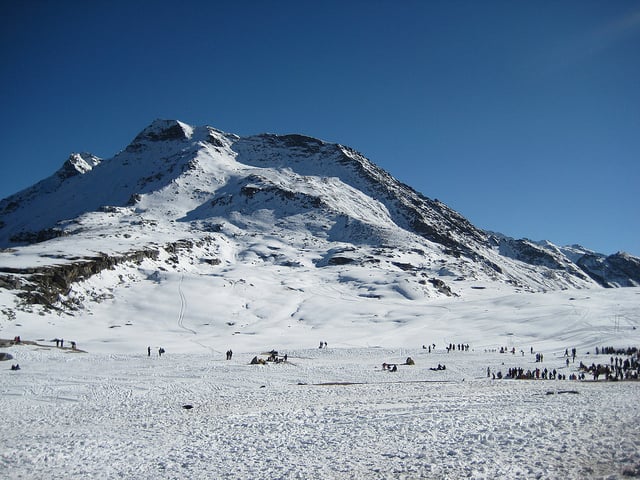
x,y
148,351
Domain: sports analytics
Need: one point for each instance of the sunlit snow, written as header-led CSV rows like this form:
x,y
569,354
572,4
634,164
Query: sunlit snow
x,y
259,249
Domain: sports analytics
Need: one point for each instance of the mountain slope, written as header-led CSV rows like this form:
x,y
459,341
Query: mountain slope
x,y
206,204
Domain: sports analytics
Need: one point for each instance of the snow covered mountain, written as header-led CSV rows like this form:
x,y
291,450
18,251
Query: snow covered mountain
x,y
200,242
203,203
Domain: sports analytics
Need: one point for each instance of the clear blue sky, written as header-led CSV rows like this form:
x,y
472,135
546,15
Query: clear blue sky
x,y
522,116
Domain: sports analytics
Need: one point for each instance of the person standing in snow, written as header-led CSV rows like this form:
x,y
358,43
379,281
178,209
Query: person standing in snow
x,y
148,351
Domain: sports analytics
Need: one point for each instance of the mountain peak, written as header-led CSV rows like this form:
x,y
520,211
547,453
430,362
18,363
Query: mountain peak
x,y
164,130
77,164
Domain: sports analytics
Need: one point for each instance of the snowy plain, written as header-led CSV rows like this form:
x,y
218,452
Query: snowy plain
x,y
111,411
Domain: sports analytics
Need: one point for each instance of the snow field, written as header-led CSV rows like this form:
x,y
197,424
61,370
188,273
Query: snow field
x,y
326,413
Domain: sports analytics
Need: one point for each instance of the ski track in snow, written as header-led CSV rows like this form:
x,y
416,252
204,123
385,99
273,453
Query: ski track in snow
x,y
183,308
327,413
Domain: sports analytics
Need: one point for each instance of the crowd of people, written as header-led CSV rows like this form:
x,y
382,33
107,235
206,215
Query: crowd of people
x,y
452,347
622,364
618,368
629,351
519,373
461,347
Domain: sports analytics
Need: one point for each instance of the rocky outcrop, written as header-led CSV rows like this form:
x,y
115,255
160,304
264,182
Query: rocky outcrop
x,y
37,237
442,287
158,131
617,270
77,164
48,285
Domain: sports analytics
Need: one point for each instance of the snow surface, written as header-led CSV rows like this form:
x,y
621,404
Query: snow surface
x,y
287,250
113,412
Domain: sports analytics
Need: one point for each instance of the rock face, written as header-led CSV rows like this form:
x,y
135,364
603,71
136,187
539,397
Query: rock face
x,y
48,285
160,131
617,270
77,164
289,200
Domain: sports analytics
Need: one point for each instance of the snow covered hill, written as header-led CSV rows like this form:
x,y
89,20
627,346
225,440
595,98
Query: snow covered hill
x,y
257,230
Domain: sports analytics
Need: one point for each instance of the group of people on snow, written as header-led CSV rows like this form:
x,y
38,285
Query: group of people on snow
x,y
618,368
461,347
272,358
